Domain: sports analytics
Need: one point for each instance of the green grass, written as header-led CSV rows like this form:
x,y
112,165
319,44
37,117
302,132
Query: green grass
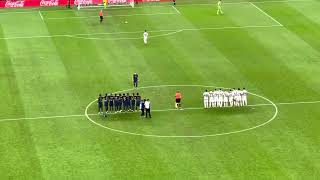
x,y
57,66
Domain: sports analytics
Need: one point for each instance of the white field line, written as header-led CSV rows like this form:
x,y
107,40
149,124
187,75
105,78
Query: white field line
x,y
176,9
120,15
155,6
159,110
41,15
136,32
133,38
266,14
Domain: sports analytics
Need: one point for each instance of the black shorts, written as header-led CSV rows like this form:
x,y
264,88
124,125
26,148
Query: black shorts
x,y
178,100
101,17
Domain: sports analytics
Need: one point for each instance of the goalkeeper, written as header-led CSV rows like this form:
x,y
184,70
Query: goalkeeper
x,y
219,11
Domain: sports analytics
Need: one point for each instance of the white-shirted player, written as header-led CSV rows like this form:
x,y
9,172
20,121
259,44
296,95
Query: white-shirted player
x,y
238,97
211,94
234,96
220,101
145,37
206,99
215,98
244,94
225,98
230,98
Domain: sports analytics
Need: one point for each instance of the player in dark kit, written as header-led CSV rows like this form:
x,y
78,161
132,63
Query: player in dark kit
x,y
120,103
111,103
129,101
125,103
106,104
142,107
116,102
100,99
133,102
138,100
135,80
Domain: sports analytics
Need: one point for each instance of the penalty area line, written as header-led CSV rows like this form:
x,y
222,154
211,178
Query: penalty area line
x,y
176,9
159,110
41,16
266,14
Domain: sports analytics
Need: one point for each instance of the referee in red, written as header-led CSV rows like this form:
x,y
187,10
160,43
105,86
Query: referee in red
x,y
178,100
101,16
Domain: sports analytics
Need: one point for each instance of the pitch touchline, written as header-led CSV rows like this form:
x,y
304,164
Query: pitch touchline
x,y
159,110
136,32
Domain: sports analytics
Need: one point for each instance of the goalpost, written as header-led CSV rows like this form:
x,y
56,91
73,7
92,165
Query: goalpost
x,y
103,3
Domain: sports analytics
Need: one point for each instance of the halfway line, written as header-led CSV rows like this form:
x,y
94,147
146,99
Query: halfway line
x,y
159,110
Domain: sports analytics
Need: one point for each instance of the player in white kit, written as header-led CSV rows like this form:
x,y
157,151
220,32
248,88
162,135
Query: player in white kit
x,y
215,98
220,100
211,94
225,98
244,94
206,99
145,37
230,98
238,97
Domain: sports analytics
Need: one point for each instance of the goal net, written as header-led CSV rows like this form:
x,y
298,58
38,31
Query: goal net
x,y
102,3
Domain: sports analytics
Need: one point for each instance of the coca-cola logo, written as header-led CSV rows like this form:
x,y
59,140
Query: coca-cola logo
x,y
117,1
49,2
83,2
12,4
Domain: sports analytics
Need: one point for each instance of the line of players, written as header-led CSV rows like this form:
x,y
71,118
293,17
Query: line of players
x,y
119,102
220,98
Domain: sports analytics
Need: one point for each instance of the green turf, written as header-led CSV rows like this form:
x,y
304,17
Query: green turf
x,y
57,66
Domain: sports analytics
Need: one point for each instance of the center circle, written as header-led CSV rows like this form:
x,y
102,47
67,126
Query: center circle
x,y
249,108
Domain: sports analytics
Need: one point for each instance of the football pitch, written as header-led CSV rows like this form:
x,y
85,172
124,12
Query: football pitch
x,y
54,62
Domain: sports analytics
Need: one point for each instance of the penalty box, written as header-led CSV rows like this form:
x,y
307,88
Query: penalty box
x,y
235,14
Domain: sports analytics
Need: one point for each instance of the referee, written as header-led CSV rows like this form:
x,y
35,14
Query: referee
x,y
178,100
101,16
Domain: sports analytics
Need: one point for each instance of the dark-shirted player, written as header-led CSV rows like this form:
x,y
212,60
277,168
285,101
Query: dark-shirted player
x,y
125,103
138,100
120,103
116,103
142,107
129,101
106,102
135,80
111,102
100,106
133,102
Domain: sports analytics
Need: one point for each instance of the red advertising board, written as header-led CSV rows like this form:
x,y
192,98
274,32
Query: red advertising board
x,y
33,3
